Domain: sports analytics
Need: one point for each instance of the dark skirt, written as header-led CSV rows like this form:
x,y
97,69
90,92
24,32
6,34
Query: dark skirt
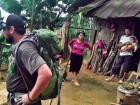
x,y
76,62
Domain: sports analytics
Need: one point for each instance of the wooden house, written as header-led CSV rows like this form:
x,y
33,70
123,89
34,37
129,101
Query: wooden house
x,y
120,13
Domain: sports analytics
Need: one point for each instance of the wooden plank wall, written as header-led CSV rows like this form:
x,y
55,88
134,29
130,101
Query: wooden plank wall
x,y
106,35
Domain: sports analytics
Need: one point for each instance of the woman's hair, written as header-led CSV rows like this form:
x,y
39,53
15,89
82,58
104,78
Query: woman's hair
x,y
81,32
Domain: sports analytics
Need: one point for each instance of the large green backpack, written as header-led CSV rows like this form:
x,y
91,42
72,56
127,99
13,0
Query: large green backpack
x,y
49,46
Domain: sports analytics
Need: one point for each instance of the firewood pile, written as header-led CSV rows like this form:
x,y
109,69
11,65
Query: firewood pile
x,y
105,66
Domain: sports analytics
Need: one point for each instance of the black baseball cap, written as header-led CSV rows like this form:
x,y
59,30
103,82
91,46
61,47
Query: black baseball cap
x,y
12,20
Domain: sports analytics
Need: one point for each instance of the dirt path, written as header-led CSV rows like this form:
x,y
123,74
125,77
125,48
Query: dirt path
x,y
3,92
92,91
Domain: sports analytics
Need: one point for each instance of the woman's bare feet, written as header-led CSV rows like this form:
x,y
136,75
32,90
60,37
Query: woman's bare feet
x,y
77,84
72,81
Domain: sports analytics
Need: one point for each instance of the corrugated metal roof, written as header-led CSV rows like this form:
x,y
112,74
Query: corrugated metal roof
x,y
117,8
77,4
92,5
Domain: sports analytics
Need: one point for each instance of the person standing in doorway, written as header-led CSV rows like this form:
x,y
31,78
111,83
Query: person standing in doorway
x,y
125,57
79,45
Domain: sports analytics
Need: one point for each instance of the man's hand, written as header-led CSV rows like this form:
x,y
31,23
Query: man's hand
x,y
24,100
127,43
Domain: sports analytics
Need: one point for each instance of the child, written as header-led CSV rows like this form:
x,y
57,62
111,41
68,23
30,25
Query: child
x,y
132,46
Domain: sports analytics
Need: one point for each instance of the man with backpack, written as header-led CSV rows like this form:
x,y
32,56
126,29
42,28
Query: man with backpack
x,y
25,63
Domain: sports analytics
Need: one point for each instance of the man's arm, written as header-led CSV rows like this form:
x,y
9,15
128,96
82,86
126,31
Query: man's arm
x,y
43,78
124,44
121,44
34,63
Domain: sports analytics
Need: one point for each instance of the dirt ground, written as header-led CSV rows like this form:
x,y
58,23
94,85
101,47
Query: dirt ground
x,y
93,91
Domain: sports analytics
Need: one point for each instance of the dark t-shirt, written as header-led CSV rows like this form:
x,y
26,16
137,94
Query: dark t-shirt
x,y
29,61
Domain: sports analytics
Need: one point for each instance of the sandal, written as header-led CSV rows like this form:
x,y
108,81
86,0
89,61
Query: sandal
x,y
77,84
72,81
109,80
120,82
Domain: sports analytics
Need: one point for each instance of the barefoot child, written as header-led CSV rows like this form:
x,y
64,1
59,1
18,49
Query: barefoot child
x,y
133,45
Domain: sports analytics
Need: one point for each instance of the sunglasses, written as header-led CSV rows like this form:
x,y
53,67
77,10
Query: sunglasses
x,y
3,24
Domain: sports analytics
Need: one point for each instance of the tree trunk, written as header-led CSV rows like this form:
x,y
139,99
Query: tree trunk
x,y
41,19
50,13
32,17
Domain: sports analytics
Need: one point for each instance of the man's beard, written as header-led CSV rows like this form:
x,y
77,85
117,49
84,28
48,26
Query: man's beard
x,y
9,39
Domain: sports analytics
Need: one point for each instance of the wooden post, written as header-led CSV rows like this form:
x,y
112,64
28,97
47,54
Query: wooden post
x,y
67,49
92,37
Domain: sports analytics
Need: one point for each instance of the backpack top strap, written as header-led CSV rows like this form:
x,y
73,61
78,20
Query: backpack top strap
x,y
25,40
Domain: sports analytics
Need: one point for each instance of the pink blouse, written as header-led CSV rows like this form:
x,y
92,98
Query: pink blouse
x,y
78,48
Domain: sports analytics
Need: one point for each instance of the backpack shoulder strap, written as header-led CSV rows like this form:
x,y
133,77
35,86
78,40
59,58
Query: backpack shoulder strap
x,y
25,40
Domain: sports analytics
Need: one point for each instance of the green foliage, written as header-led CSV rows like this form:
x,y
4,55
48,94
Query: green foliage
x,y
26,4
30,10
6,50
65,1
85,54
11,6
52,3
2,39
72,1
6,53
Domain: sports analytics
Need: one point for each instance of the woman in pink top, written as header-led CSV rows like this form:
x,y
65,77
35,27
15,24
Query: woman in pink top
x,y
77,55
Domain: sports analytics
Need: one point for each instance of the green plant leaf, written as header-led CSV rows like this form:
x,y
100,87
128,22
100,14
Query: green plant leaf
x,y
27,5
0,13
2,39
72,1
11,6
65,1
52,3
